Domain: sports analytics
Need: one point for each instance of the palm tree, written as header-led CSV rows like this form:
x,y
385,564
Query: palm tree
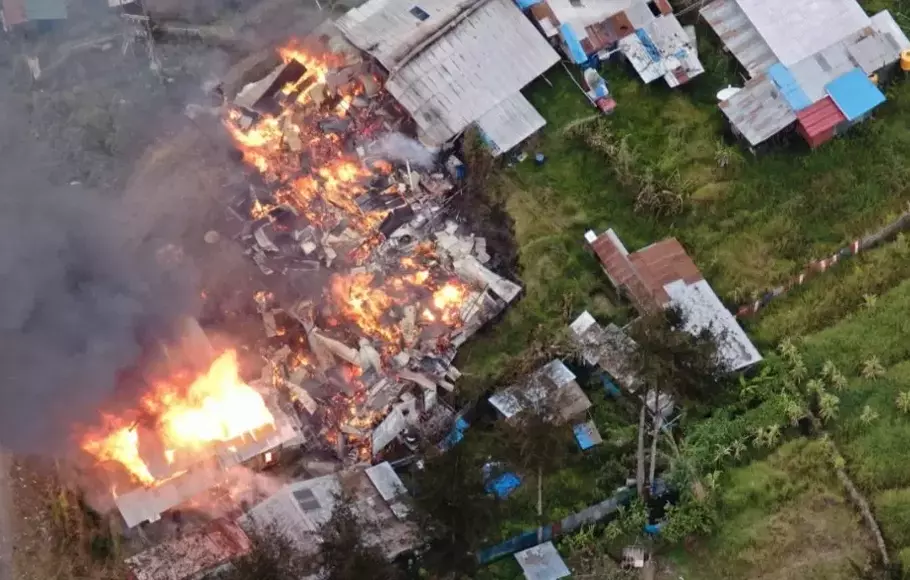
x,y
827,406
903,401
794,411
868,416
872,368
870,300
737,448
815,387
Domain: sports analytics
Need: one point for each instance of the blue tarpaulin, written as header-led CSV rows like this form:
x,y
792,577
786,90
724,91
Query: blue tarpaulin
x,y
788,86
525,4
649,45
854,94
455,435
503,484
610,387
573,45
587,436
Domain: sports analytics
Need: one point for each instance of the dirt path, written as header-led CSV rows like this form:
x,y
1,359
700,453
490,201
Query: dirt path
x,y
6,528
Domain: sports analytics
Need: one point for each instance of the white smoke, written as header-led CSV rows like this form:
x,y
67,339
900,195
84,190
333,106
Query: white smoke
x,y
401,148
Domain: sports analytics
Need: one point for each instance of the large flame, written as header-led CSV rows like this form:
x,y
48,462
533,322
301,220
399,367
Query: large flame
x,y
216,407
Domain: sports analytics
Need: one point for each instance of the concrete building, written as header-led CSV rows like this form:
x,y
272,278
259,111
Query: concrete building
x,y
814,66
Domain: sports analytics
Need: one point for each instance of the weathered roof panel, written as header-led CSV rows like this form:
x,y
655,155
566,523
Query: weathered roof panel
x,y
488,57
795,30
758,111
542,562
662,48
704,311
884,23
738,34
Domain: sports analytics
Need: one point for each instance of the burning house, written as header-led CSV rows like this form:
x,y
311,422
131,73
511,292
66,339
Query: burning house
x,y
367,289
456,64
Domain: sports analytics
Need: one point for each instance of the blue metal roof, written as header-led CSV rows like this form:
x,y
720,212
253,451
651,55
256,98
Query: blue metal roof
x,y
504,485
525,4
854,94
789,88
573,44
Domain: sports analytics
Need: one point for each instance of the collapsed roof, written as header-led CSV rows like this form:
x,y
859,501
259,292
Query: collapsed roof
x,y
551,390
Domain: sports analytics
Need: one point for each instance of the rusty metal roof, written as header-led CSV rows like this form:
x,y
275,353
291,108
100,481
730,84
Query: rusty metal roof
x,y
738,34
198,552
758,111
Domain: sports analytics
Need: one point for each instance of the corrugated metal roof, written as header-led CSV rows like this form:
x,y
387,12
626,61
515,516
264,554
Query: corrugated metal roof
x,y
738,34
485,59
788,86
389,29
758,111
868,49
551,385
509,123
662,48
200,551
300,509
703,310
820,118
607,347
542,562
884,23
795,30
854,94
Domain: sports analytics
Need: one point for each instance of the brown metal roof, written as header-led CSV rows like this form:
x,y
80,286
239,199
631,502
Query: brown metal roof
x,y
13,12
643,274
606,33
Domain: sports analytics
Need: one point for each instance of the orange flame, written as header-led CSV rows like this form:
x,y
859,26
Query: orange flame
x,y
216,407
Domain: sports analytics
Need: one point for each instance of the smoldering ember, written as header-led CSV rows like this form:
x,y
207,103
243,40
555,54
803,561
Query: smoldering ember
x,y
370,288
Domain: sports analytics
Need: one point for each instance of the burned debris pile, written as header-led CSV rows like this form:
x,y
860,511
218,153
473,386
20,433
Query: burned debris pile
x,y
368,288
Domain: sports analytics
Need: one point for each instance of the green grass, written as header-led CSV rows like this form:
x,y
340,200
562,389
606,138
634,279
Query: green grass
x,y
830,297
783,517
748,225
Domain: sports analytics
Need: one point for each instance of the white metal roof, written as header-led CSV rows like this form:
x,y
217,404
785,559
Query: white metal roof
x,y
388,29
300,509
509,123
553,383
884,23
675,50
795,30
542,562
704,310
482,60
390,487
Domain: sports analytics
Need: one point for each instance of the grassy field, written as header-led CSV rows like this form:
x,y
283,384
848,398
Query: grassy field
x,y
749,222
783,517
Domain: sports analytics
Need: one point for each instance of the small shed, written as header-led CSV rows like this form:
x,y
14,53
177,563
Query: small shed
x,y
819,123
587,435
550,389
542,562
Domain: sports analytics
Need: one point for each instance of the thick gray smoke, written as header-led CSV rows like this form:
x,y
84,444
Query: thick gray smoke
x,y
81,287
401,148
76,299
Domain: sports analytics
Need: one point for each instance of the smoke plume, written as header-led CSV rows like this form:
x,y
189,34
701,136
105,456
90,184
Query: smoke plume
x,y
401,148
80,289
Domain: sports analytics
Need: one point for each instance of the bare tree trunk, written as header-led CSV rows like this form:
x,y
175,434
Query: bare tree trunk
x,y
655,435
863,506
640,475
539,505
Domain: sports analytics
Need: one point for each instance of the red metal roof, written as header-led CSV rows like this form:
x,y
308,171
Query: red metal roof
x,y
819,118
645,273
